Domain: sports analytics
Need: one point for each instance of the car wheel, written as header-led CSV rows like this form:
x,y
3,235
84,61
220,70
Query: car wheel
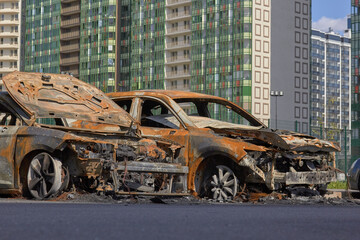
x,y
44,176
223,184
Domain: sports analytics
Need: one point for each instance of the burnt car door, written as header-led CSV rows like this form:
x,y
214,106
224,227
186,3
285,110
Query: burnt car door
x,y
159,120
9,125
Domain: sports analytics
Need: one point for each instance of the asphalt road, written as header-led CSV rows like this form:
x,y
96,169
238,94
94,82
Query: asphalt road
x,y
41,220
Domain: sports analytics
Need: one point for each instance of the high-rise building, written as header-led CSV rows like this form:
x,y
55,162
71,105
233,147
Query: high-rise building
x,y
290,63
141,45
9,36
355,78
215,47
72,36
330,89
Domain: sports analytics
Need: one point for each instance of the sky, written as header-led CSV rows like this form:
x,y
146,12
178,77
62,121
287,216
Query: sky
x,y
330,13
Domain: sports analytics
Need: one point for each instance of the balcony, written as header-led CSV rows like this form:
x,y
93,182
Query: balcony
x,y
177,60
69,61
70,48
9,34
173,3
177,16
179,44
9,46
70,23
74,72
7,69
70,10
177,74
9,58
70,35
178,30
69,1
9,10
10,22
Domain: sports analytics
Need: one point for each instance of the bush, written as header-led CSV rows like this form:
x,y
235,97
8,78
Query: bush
x,y
337,185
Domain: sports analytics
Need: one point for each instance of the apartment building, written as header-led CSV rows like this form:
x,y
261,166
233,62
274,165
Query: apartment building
x,y
76,37
215,47
290,66
9,37
330,110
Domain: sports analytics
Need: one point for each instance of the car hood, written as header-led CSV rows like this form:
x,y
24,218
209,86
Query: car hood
x,y
286,140
63,96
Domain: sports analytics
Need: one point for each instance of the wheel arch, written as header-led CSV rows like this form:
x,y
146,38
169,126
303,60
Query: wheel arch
x,y
209,161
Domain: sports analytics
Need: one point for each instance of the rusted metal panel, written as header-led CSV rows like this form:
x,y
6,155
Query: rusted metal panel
x,y
7,149
315,177
63,96
151,167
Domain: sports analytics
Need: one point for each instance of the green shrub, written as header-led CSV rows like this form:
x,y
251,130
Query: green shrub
x,y
337,185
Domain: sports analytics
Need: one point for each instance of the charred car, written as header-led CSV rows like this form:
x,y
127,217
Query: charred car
x,y
56,130
225,147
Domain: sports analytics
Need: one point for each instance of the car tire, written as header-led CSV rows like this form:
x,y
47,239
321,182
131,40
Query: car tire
x,y
222,185
43,177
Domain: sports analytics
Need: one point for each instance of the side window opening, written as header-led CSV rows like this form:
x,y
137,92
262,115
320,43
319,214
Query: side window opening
x,y
51,121
7,118
156,114
125,104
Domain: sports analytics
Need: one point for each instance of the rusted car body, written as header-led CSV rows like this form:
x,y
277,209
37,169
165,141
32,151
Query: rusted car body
x,y
221,155
56,129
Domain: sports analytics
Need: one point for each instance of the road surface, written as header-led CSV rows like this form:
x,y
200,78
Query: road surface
x,y
47,220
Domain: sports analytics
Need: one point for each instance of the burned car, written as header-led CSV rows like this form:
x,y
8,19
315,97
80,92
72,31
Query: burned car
x,y
353,175
56,130
224,155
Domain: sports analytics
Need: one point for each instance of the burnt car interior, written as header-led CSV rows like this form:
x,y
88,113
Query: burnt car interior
x,y
156,114
8,118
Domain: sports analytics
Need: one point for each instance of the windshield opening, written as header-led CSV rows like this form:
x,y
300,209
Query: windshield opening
x,y
218,112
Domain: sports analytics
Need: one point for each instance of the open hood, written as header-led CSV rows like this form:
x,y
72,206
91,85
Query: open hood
x,y
63,96
286,140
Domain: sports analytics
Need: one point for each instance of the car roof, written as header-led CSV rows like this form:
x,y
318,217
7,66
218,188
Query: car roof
x,y
170,93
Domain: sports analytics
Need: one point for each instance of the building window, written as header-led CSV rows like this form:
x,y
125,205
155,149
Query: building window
x,y
297,67
297,97
297,37
297,22
297,7
305,38
297,112
297,82
305,9
186,83
305,23
2,17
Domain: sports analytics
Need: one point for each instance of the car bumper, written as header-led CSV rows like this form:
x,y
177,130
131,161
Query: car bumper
x,y
298,178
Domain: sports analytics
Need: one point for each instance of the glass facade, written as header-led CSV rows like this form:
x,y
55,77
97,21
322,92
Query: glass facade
x,y
355,64
222,50
142,45
42,36
76,37
197,45
97,43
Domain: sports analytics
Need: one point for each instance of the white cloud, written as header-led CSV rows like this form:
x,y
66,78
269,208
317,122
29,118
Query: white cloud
x,y
338,25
